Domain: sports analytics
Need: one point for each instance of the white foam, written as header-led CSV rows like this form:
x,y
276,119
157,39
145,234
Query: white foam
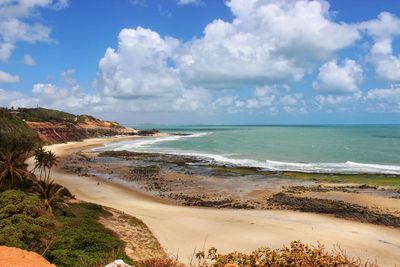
x,y
348,167
141,143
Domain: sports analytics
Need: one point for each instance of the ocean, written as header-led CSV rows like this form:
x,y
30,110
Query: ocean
x,y
309,149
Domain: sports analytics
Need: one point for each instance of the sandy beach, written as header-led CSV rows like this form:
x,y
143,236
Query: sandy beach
x,y
183,230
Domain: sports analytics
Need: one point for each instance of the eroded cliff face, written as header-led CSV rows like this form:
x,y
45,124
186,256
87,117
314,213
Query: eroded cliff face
x,y
55,132
54,126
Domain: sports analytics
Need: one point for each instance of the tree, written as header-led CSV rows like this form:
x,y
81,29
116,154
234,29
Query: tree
x,y
50,193
40,157
44,161
12,168
51,160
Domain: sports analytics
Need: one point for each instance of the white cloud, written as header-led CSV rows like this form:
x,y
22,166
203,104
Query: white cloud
x,y
383,30
140,70
29,60
384,100
7,97
139,67
52,96
387,65
8,78
385,26
265,98
268,40
338,102
335,78
294,103
17,23
187,2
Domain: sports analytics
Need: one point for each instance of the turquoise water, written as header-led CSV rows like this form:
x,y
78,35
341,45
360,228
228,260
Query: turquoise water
x,y
336,149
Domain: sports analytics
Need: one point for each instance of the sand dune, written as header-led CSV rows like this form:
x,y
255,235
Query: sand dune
x,y
181,230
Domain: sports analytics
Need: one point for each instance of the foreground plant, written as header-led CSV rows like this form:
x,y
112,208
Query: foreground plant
x,y
296,255
12,168
50,193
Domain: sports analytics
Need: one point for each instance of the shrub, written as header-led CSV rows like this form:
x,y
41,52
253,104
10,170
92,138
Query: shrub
x,y
297,255
23,223
82,241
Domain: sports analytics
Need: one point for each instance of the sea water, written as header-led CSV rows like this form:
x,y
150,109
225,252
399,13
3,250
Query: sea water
x,y
319,149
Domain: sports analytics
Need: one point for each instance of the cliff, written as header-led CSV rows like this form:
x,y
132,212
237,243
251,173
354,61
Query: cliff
x,y
53,126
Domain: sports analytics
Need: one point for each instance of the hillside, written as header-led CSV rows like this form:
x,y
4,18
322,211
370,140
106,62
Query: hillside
x,y
53,126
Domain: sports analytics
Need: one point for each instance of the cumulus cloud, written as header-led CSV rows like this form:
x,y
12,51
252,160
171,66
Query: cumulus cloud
x,y
238,65
387,65
339,78
141,70
383,30
338,102
139,67
7,97
384,100
52,96
8,78
29,60
65,96
268,40
265,98
17,23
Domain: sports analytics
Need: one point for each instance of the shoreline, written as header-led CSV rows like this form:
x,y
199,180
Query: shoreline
x,y
182,229
271,165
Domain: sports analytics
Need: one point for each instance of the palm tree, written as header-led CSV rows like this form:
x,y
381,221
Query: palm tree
x,y
40,158
44,161
50,160
50,193
12,168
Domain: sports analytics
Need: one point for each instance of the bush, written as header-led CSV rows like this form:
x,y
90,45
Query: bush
x,y
298,254
82,241
23,223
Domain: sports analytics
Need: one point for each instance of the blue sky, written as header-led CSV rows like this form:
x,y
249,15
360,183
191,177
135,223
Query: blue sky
x,y
204,61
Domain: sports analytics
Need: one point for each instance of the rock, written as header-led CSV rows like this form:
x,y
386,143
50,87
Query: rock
x,y
118,263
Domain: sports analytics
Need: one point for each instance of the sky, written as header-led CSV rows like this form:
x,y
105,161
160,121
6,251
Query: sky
x,y
204,61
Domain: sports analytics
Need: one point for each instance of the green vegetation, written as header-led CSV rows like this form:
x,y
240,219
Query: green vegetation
x,y
24,222
34,215
45,115
368,179
82,241
15,135
72,238
337,208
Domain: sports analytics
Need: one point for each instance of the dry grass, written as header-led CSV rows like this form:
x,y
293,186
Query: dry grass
x,y
296,255
140,243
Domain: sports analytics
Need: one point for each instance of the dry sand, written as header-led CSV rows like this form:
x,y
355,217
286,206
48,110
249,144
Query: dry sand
x,y
183,230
